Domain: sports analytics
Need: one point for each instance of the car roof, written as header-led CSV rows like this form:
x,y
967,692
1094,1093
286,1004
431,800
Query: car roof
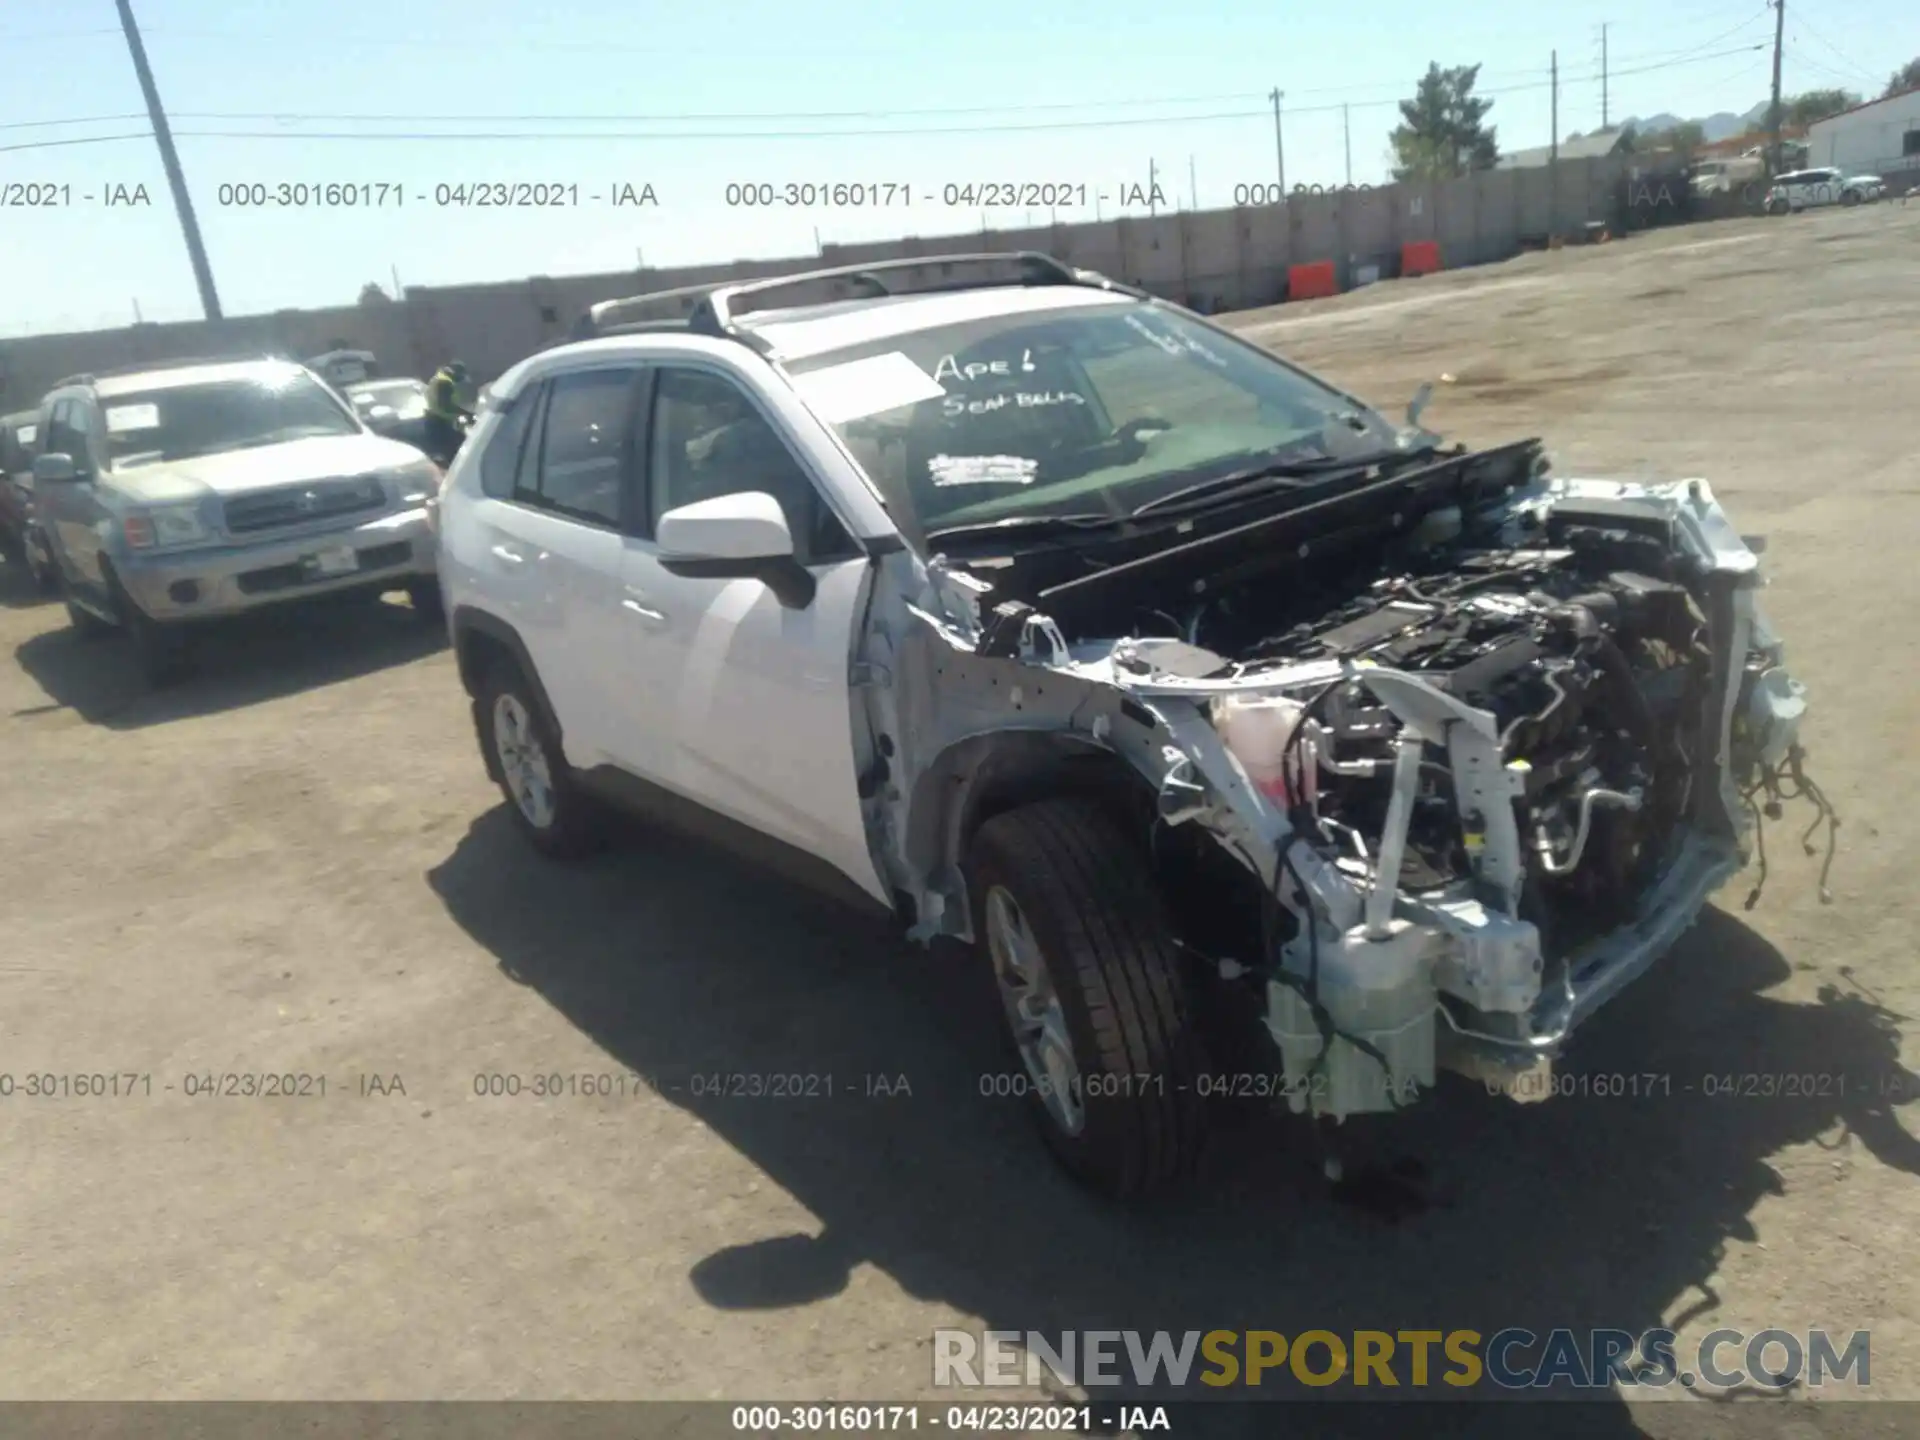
x,y
141,381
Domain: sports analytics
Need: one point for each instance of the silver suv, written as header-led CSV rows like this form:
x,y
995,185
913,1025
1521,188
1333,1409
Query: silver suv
x,y
195,491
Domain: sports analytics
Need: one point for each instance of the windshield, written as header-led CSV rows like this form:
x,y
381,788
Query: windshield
x,y
405,396
1091,410
181,422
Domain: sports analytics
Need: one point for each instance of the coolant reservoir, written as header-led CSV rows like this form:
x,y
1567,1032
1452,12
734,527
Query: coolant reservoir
x,y
1256,729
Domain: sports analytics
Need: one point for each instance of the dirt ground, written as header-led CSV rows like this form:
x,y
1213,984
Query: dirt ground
x,y
294,865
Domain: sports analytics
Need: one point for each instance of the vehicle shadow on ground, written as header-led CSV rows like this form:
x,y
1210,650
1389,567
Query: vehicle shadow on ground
x,y
234,664
1579,1212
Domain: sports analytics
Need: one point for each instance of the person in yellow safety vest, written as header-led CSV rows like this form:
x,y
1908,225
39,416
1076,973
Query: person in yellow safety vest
x,y
446,410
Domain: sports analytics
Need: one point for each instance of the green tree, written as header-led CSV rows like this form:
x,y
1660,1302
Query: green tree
x,y
1443,133
1906,78
1811,105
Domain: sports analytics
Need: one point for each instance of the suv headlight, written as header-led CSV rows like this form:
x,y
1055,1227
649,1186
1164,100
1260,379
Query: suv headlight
x,y
165,527
416,483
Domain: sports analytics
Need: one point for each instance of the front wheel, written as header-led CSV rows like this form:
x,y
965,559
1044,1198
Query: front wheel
x,y
160,650
425,597
1068,916
546,802
1778,207
1850,197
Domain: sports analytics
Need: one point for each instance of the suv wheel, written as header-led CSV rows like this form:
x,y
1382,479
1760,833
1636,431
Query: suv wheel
x,y
85,624
1850,197
1067,913
543,797
425,597
160,650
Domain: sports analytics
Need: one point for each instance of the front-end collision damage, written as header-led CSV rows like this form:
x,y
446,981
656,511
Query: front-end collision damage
x,y
1452,918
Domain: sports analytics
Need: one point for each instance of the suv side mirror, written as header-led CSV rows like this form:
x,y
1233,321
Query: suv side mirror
x,y
735,537
54,469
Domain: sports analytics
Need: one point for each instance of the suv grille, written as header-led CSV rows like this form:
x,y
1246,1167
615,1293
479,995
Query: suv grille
x,y
300,504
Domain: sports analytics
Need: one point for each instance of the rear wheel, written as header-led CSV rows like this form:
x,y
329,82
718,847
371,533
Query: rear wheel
x,y
1067,914
1850,197
546,802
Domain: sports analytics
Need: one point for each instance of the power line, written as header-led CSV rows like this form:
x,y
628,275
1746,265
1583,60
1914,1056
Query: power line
x,y
1108,123
1660,59
1800,23
81,140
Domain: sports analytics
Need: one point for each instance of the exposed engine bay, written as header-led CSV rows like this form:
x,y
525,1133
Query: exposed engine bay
x,y
1476,745
1598,678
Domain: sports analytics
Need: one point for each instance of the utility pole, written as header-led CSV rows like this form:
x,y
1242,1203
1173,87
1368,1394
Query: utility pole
x,y
1153,183
170,161
398,293
1773,109
1603,77
1346,129
1279,145
1553,156
1193,181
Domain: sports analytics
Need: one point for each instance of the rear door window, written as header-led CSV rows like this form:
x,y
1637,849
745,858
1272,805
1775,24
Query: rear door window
x,y
583,446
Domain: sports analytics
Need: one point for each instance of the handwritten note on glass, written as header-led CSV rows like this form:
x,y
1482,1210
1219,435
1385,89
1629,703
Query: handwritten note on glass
x,y
950,369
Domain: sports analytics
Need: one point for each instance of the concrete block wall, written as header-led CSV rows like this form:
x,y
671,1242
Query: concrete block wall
x,y
1209,259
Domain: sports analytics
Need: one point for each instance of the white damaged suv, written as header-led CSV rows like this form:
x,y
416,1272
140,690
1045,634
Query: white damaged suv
x,y
1057,620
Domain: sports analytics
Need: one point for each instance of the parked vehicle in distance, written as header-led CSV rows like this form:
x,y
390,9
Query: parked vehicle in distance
x,y
173,495
1799,190
20,536
1203,699
395,408
1723,177
341,368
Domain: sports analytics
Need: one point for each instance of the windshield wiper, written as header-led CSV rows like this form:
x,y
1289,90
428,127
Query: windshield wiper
x,y
1317,467
1027,526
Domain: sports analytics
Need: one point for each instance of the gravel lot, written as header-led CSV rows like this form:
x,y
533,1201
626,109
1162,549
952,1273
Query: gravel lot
x,y
295,865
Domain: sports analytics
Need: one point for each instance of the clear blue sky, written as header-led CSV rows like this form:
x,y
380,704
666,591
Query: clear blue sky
x,y
1188,80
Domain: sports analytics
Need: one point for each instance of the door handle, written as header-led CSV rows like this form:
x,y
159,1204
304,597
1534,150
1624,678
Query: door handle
x,y
508,554
651,616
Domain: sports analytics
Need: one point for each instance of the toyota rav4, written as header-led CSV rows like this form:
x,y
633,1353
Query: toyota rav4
x,y
1187,688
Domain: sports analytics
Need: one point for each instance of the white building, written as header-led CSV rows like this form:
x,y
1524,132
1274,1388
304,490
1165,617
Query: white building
x,y
1881,137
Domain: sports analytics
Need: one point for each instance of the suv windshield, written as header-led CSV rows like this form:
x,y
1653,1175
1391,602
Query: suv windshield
x,y
407,396
1089,411
180,422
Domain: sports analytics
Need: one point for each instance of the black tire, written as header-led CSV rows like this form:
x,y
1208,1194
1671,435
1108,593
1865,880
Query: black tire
x,y
1091,904
1850,197
1778,207
46,574
84,623
426,598
570,827
161,651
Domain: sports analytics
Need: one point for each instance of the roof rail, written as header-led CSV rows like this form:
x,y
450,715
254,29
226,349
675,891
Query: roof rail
x,y
976,271
713,309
